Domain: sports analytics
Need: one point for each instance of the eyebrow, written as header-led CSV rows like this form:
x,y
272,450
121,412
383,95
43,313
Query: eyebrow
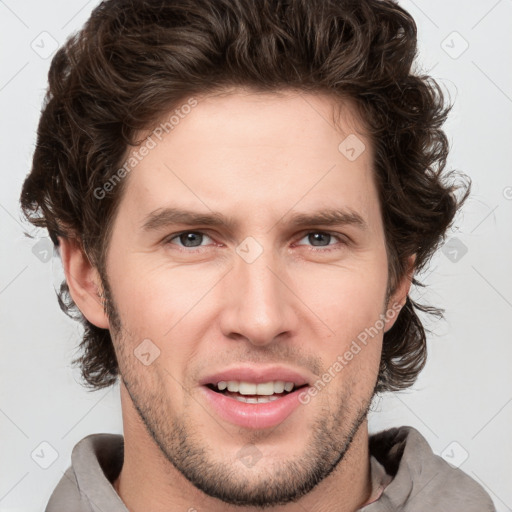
x,y
327,217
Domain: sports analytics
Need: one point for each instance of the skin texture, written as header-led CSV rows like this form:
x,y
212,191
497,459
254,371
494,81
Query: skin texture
x,y
257,158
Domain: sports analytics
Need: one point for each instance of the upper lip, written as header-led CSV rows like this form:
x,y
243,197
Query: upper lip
x,y
256,374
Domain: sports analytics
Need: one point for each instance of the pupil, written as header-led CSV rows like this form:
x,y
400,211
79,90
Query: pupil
x,y
316,236
189,237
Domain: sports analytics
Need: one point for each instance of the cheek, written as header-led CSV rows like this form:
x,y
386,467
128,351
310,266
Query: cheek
x,y
347,300
158,299
350,302
164,306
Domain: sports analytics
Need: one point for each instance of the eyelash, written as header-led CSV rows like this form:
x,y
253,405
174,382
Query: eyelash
x,y
339,237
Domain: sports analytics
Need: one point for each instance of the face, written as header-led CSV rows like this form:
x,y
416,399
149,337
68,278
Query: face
x,y
263,286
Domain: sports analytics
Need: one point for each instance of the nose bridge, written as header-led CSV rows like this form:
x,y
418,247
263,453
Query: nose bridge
x,y
260,308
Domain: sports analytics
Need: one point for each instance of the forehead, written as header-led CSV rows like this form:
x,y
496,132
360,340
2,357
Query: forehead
x,y
251,152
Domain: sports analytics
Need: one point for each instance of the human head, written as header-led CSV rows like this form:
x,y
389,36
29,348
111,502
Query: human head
x,y
135,61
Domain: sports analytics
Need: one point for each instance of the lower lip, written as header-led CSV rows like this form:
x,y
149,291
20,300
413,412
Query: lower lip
x,y
255,416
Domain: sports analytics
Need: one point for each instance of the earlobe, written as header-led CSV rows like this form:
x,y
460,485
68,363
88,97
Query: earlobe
x,y
84,282
398,299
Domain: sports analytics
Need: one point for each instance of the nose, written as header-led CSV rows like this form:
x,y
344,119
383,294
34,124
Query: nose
x,y
260,302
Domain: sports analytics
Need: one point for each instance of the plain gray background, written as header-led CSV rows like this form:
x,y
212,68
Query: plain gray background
x,y
462,402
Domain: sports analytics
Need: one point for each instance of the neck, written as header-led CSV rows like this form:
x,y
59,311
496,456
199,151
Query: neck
x,y
148,481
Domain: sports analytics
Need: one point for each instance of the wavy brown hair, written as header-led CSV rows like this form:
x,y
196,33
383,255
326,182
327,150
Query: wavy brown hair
x,y
136,60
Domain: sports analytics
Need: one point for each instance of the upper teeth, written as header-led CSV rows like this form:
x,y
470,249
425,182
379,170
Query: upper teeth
x,y
249,388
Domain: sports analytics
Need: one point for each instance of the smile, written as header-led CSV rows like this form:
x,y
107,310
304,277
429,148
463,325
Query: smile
x,y
251,406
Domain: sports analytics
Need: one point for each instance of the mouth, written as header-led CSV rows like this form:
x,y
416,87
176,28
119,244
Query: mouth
x,y
254,397
252,393
250,405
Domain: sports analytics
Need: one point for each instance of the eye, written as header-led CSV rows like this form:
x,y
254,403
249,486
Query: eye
x,y
319,240
322,238
187,239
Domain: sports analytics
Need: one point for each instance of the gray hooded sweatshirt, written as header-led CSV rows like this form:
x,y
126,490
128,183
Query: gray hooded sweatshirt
x,y
406,476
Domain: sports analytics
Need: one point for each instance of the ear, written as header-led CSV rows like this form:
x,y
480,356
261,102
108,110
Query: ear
x,y
84,282
397,300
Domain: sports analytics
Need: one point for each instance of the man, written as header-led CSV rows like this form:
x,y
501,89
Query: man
x,y
242,192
